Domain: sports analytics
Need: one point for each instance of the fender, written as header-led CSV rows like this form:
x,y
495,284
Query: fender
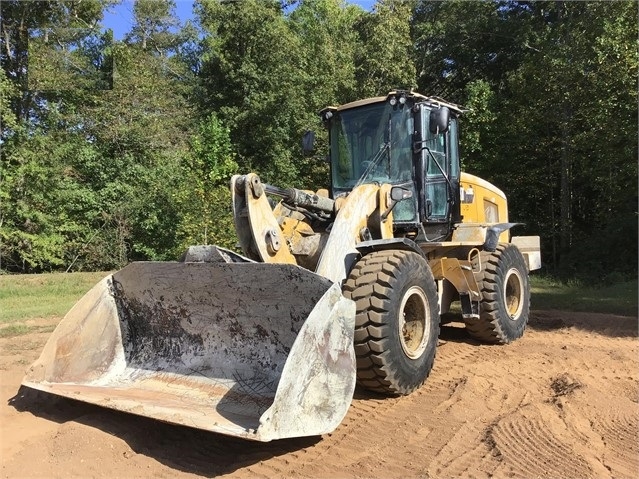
x,y
360,210
366,247
493,232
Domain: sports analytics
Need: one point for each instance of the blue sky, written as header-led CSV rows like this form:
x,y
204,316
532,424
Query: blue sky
x,y
120,18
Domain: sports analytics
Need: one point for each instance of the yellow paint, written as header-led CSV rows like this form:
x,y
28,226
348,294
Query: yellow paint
x,y
359,209
263,223
385,226
489,204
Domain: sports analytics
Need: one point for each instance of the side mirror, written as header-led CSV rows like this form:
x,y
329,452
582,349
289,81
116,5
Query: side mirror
x,y
399,193
308,142
439,120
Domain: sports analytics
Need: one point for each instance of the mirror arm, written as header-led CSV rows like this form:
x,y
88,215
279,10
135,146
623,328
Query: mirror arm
x,y
385,214
418,146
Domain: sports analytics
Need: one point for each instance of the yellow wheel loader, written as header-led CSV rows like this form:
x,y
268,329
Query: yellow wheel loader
x,y
333,288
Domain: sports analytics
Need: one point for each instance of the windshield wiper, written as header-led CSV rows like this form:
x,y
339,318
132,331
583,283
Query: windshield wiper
x,y
373,163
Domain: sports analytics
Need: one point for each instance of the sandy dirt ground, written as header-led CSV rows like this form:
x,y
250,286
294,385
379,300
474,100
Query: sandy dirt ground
x,y
562,402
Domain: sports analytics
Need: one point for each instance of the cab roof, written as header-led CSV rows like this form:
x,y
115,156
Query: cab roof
x,y
417,97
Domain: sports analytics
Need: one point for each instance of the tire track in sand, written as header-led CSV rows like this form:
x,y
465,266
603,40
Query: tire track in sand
x,y
365,443
530,444
619,432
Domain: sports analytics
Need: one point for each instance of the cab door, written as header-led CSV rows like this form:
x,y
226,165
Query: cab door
x,y
439,175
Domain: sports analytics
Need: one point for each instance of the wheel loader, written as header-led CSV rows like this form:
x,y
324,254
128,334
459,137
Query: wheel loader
x,y
333,288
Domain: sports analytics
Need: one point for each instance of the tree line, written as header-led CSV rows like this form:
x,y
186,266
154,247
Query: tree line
x,y
120,150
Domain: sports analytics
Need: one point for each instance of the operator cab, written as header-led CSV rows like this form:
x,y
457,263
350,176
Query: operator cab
x,y
405,139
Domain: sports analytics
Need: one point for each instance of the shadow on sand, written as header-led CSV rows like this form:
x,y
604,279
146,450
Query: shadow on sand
x,y
190,450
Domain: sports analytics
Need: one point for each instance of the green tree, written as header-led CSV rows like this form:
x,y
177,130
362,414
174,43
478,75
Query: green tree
x,y
154,22
326,29
41,43
384,60
251,77
329,42
458,42
89,175
141,128
580,76
204,197
552,92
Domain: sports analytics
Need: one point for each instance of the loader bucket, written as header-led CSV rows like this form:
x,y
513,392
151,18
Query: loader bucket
x,y
253,350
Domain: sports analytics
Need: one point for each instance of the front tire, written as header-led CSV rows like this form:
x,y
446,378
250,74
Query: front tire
x,y
397,321
505,301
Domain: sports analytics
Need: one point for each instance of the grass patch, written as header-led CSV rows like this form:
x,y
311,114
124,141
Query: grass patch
x,y
24,297
18,329
13,330
620,298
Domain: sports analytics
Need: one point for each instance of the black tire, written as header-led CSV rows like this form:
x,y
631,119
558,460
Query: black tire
x,y
505,301
397,322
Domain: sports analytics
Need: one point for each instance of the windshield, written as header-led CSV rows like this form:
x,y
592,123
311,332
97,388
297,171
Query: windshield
x,y
372,144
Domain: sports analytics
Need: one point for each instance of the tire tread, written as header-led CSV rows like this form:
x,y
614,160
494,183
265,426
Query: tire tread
x,y
492,327
371,284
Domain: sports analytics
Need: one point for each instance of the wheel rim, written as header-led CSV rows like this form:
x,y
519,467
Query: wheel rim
x,y
513,293
413,330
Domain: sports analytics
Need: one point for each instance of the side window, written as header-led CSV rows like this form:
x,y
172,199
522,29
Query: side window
x,y
402,148
437,194
343,155
437,146
402,164
435,184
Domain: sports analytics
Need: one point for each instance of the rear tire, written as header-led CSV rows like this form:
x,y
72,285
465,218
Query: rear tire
x,y
505,301
397,321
